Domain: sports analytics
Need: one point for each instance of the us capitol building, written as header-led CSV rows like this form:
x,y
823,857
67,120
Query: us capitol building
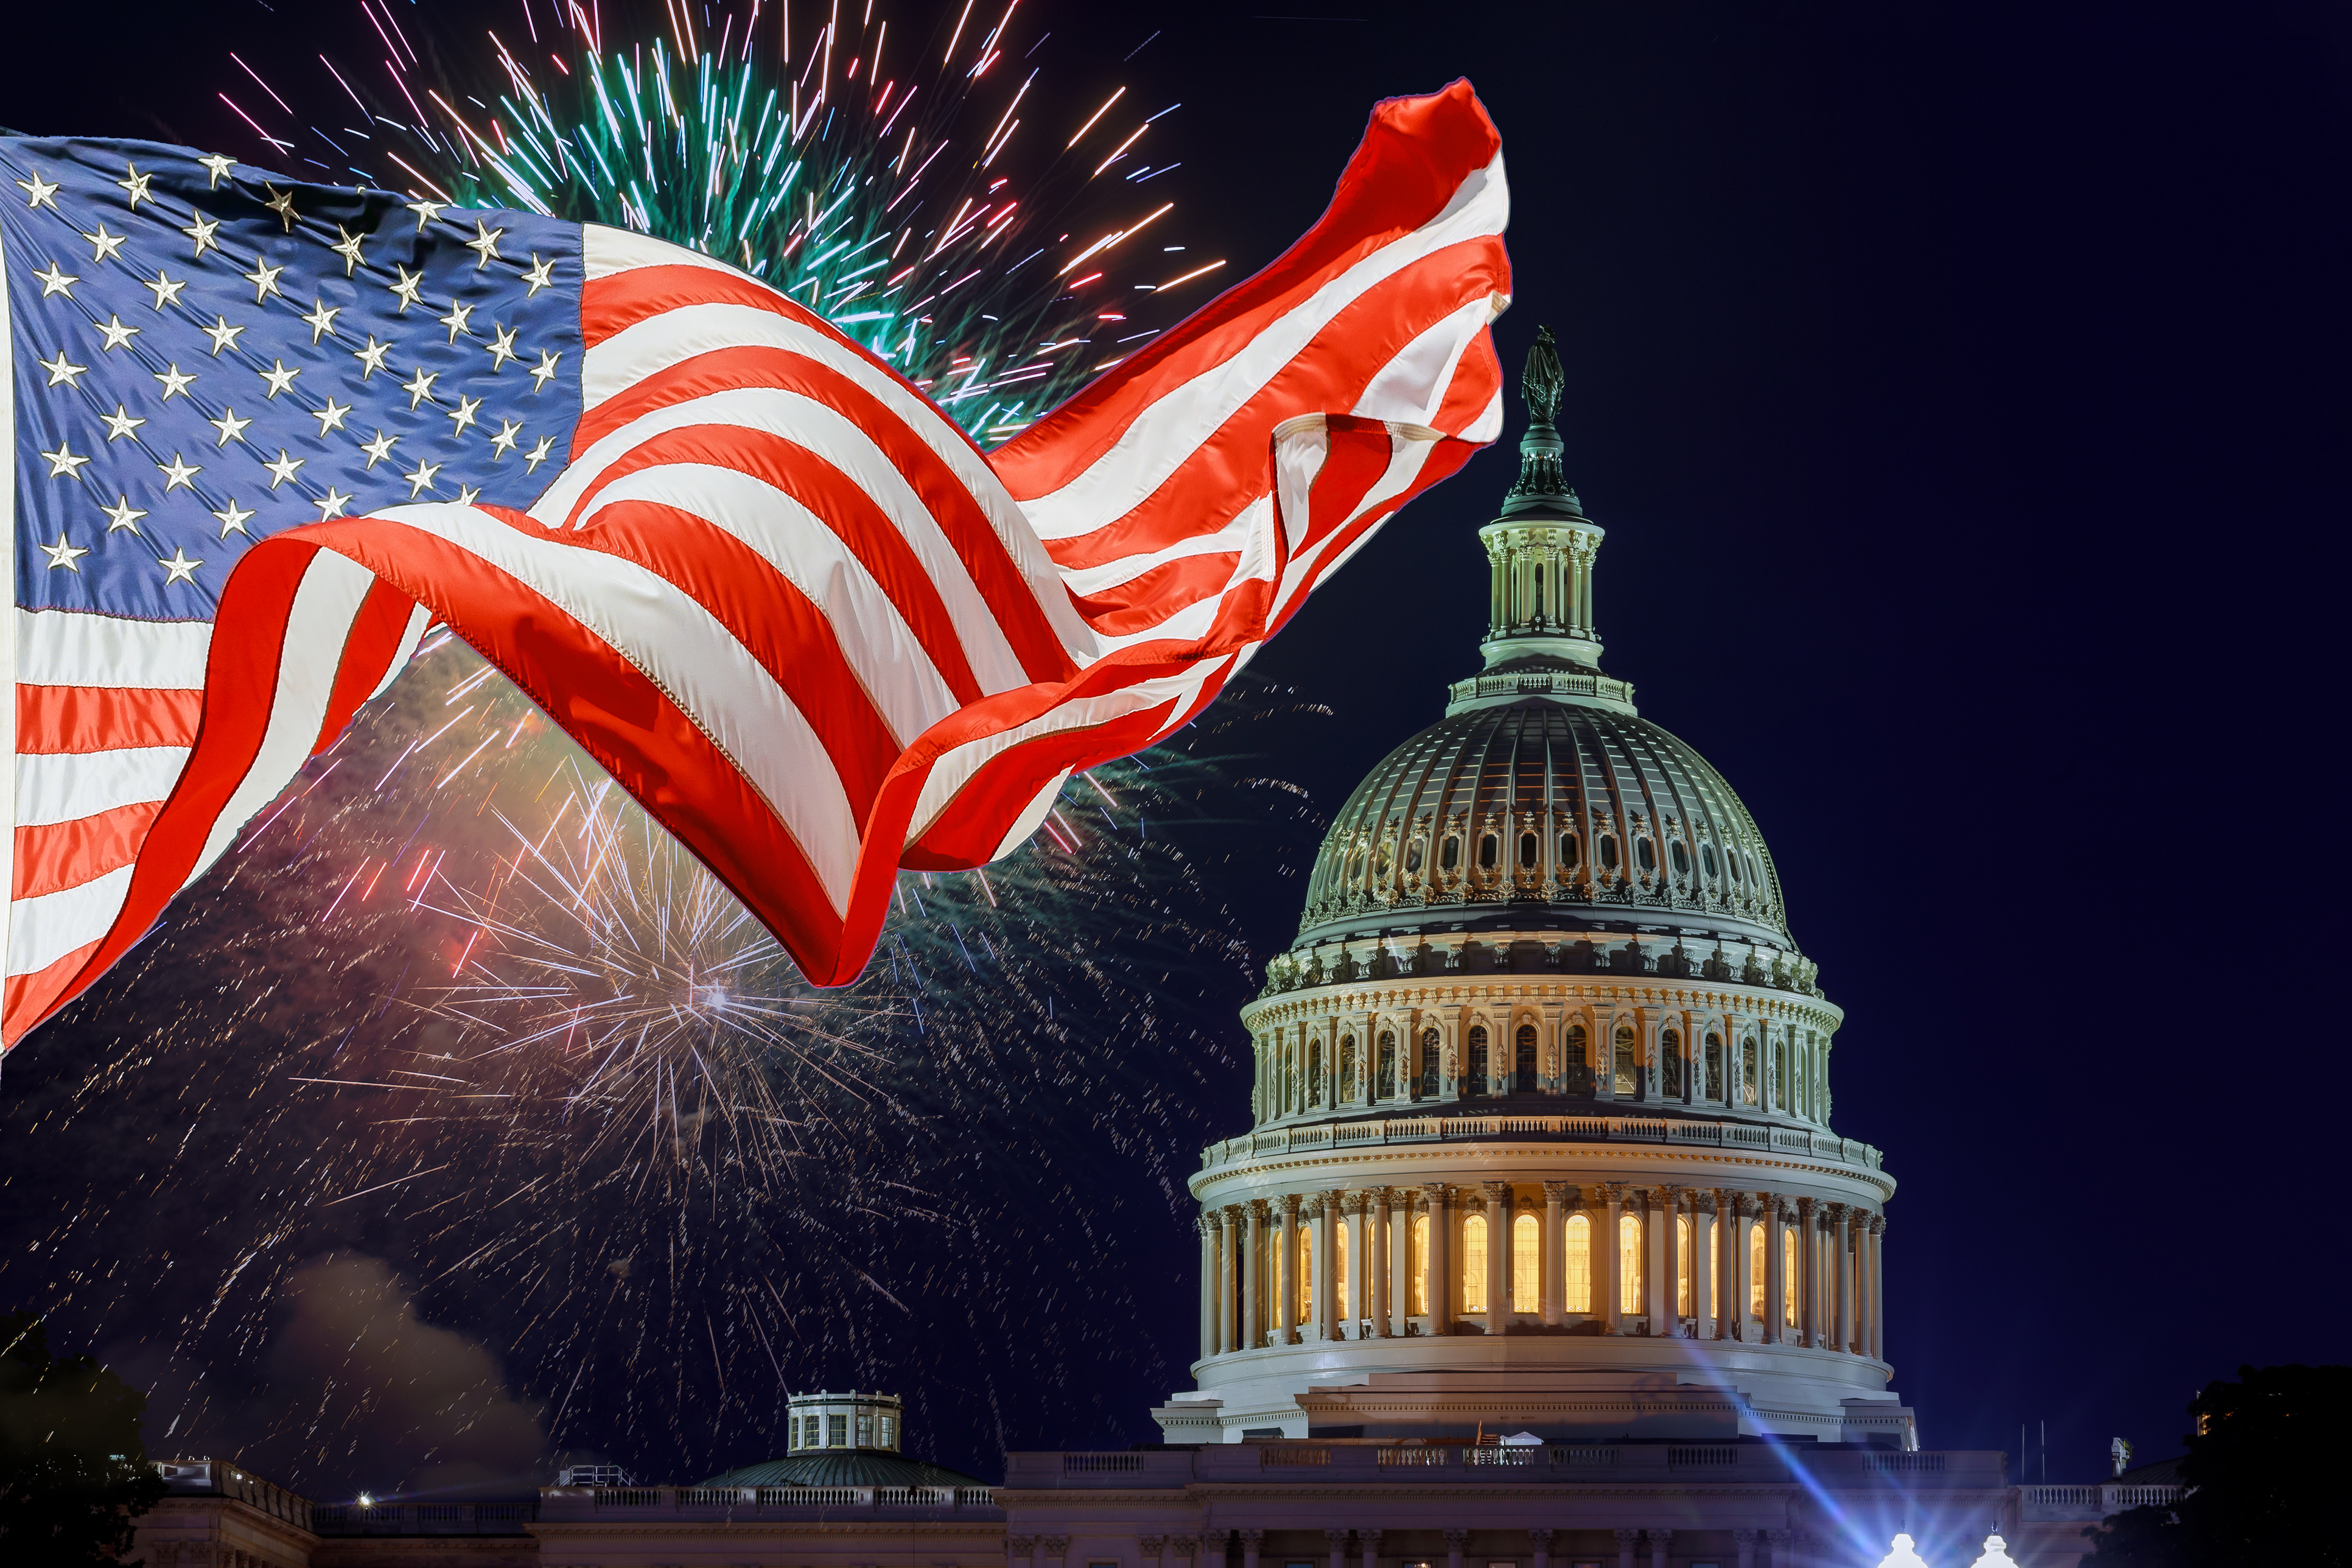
x,y
1541,1251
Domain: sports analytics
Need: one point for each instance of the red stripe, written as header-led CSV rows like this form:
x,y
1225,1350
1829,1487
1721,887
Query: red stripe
x,y
69,721
1414,156
1143,601
56,856
1477,379
375,635
1011,598
789,636
836,501
30,998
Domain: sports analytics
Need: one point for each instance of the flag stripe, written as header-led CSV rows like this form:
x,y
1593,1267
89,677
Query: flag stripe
x,y
54,719
68,854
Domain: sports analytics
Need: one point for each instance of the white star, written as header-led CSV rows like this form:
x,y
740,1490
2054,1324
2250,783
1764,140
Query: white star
x,y
230,427
179,473
178,568
504,441
544,371
281,203
264,278
121,515
466,494
330,417
136,185
282,471
457,319
63,464
501,346
380,448
538,275
117,335
371,356
62,369
233,519
421,478
485,244
120,423
105,243
201,231
280,378
222,335
333,504
408,286
43,192
426,211
220,167
463,415
538,453
322,319
173,382
62,553
167,290
419,387
55,282
349,249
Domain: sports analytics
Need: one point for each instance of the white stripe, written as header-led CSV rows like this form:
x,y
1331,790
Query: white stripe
x,y
882,650
1409,450
689,655
63,788
604,251
326,601
1159,440
648,347
69,648
8,674
827,434
418,619
44,929
1412,386
1090,580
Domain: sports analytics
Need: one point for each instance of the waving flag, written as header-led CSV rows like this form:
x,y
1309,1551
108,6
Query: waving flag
x,y
266,433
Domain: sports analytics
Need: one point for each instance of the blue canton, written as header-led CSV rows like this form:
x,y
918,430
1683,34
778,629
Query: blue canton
x,y
205,355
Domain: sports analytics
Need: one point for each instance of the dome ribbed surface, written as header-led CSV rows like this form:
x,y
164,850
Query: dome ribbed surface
x,y
844,1468
1544,813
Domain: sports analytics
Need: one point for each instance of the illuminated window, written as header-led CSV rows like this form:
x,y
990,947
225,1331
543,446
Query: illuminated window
x,y
1625,1048
1386,1083
1382,861
1347,1067
1756,1272
1314,1072
836,1431
1474,1264
865,1430
1356,865
1530,851
1527,1264
1526,1060
886,1431
1579,1264
1417,1265
1788,1272
1580,1071
1340,1264
1432,1053
1670,1060
1629,1263
1475,1081
1714,1049
1682,1266
1304,1278
1748,1076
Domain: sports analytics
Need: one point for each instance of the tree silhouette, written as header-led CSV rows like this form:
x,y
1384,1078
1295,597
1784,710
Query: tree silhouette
x,y
74,1475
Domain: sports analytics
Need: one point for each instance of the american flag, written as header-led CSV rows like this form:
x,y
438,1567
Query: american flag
x,y
267,433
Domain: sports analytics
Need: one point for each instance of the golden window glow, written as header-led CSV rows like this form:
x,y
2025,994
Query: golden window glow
x,y
1790,1272
1629,1264
1417,1263
1625,1058
1756,1272
1579,1264
1305,1280
1340,1265
1474,1264
1682,1266
1527,1264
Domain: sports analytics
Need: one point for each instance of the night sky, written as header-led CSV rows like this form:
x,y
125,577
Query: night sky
x,y
1962,388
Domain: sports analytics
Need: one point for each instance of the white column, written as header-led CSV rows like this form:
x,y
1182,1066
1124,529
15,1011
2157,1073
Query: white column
x,y
1336,1541
1251,1540
1878,1287
1020,1550
1372,1220
1702,1265
1738,1207
1840,1243
1358,1305
1440,1278
1744,1542
1228,1263
1253,1276
1808,1257
1399,1222
1660,1541
1498,1255
1540,1539
1626,1541
1369,1541
1777,1283
1554,1265
1608,1262
1659,1254
1453,1544
1285,1278
1327,1305
1207,1227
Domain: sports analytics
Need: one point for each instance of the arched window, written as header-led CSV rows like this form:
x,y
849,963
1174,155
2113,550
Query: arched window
x,y
1416,1264
1681,857
1629,1264
1580,1069
1608,852
1682,1261
1626,1047
1580,1264
1432,1053
1731,862
1526,1064
1475,1079
1527,1264
1449,854
1670,1061
1714,1067
1386,1083
1748,1072
1707,858
1490,850
1530,851
1474,1263
1790,1273
1356,865
1339,1265
1568,851
1303,1281
1382,860
1347,1067
1413,859
1756,1272
1645,852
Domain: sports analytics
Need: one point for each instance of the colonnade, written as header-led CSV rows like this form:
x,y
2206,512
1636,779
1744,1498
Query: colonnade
x,y
1348,1547
1438,1258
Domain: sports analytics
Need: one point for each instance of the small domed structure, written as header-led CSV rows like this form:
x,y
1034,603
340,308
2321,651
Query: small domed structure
x,y
845,1440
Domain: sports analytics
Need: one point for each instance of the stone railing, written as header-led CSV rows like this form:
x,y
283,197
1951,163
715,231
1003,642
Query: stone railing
x,y
575,1504
424,1519
2092,1502
1320,1136
1356,1461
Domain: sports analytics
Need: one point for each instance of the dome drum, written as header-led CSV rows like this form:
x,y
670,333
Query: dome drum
x,y
1513,951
